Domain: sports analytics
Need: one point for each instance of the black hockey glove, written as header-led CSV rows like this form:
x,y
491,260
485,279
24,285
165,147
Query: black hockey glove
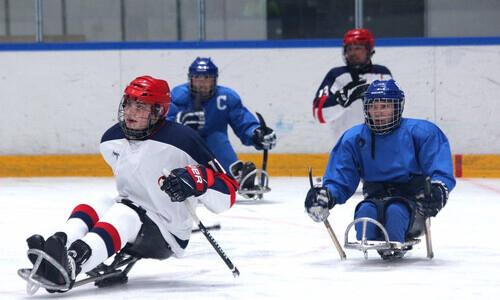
x,y
432,205
185,182
193,119
318,203
264,140
351,92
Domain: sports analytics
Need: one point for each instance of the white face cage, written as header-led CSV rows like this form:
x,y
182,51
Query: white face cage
x,y
383,115
154,121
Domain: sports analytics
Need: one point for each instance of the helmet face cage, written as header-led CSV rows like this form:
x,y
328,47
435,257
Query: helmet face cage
x,y
377,115
202,67
155,119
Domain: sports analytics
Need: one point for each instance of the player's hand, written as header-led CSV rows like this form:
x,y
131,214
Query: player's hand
x,y
318,203
430,206
193,119
264,139
351,92
183,183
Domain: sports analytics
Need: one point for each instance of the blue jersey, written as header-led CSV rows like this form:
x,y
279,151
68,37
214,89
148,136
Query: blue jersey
x,y
416,147
223,109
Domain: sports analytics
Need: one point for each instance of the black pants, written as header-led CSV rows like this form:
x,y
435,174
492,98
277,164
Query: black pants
x,y
150,242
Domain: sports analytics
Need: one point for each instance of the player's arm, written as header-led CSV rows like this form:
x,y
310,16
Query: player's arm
x,y
206,179
215,189
340,181
436,160
241,120
321,97
246,126
341,174
332,94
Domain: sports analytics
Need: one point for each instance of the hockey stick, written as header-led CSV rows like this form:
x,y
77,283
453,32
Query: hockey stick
x,y
212,241
210,227
329,227
427,224
263,126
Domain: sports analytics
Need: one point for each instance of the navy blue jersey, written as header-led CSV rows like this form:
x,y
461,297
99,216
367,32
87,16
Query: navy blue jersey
x,y
223,109
416,147
325,107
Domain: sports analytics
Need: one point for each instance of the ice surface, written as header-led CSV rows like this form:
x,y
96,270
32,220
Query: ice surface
x,y
279,251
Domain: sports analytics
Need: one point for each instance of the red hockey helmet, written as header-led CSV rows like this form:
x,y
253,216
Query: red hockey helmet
x,y
359,36
150,90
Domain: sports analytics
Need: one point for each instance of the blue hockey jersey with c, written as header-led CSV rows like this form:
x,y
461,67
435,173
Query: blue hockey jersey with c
x,y
223,109
416,147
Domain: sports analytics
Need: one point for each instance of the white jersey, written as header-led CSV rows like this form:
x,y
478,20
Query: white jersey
x,y
138,164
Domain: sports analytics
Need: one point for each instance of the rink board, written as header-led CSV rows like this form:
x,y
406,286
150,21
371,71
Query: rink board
x,y
279,164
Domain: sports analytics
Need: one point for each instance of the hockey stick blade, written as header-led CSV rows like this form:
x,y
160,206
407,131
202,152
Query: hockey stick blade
x,y
211,227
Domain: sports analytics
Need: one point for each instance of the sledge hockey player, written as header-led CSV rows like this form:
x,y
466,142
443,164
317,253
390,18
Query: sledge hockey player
x,y
335,101
209,108
158,165
392,156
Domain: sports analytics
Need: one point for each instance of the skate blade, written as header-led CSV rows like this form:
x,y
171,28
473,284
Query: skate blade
x,y
256,191
34,281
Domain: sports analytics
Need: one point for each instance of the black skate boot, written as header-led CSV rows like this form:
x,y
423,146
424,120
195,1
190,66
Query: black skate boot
x,y
71,260
37,242
242,173
55,247
80,252
391,254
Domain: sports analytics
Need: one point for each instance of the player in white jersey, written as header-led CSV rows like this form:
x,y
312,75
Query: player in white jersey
x,y
337,101
157,165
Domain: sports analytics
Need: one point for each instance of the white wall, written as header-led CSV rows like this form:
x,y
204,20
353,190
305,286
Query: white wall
x,y
61,102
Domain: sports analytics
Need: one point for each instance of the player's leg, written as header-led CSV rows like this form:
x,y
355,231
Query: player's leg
x,y
397,221
367,209
119,226
81,220
84,217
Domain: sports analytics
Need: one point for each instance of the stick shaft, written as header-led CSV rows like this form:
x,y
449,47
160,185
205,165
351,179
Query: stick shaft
x,y
427,224
328,226
212,241
335,240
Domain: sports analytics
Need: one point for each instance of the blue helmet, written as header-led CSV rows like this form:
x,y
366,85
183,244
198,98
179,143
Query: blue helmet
x,y
383,106
202,67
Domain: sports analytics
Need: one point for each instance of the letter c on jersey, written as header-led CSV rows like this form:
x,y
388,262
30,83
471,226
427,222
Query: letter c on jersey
x,y
221,102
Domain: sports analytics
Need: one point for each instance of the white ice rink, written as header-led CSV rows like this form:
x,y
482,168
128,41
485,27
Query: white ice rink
x,y
279,251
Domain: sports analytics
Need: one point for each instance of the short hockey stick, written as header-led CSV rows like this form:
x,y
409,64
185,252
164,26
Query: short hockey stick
x,y
212,241
263,126
427,224
328,227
